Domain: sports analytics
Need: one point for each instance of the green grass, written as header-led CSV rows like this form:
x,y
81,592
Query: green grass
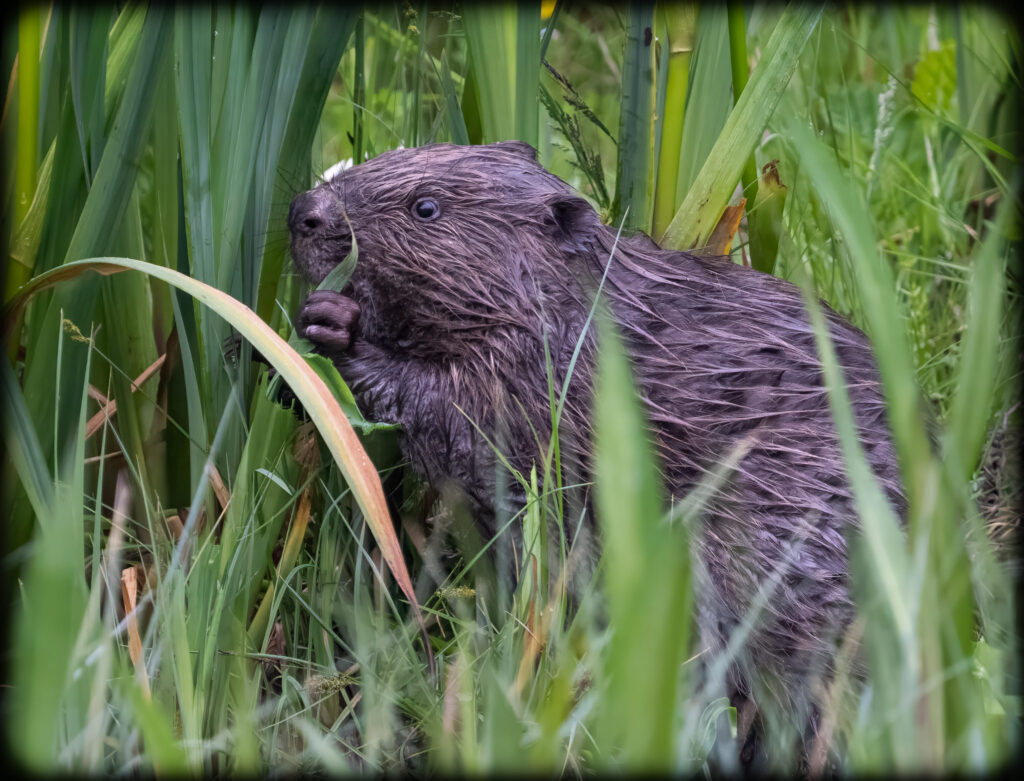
x,y
272,629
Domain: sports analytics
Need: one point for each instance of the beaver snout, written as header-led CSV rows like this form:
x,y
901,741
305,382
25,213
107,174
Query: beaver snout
x,y
316,213
321,234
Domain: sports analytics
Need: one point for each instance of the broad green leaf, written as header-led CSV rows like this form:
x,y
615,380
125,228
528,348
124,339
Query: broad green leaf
x,y
131,347
89,32
26,241
27,162
125,36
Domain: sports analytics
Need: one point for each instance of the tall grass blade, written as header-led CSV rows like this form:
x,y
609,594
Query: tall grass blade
x,y
88,52
876,288
764,220
23,448
678,20
25,244
491,38
452,109
634,167
972,405
51,605
883,580
740,75
940,646
328,40
20,152
359,93
649,623
527,72
706,104
27,156
295,49
108,197
64,236
707,197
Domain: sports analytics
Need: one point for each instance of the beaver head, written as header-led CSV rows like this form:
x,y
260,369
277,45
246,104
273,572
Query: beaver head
x,y
445,234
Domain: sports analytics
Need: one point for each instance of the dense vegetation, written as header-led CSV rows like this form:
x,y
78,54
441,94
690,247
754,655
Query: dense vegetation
x,y
197,580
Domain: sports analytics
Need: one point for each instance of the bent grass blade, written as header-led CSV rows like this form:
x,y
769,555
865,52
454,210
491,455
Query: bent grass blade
x,y
311,391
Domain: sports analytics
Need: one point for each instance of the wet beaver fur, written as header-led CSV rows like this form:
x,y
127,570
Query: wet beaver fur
x,y
470,258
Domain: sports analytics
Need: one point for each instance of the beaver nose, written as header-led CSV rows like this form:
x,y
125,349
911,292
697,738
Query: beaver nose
x,y
312,212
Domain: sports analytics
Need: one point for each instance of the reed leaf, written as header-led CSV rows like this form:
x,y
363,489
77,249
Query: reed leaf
x,y
24,450
640,708
315,397
527,71
65,237
452,109
706,105
972,405
27,161
328,40
940,645
764,220
52,599
740,75
634,168
707,197
88,54
491,38
116,172
678,22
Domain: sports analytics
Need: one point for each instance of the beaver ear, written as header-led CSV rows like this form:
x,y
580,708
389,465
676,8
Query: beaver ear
x,y
520,148
573,220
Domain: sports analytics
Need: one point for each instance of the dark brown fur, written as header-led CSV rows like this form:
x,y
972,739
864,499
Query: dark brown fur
x,y
445,322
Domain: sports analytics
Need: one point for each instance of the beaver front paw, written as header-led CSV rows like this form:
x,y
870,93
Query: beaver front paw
x,y
328,320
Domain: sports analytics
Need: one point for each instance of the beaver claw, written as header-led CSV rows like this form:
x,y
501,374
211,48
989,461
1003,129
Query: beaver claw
x,y
328,320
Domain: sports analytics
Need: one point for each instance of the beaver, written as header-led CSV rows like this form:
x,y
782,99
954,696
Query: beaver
x,y
477,271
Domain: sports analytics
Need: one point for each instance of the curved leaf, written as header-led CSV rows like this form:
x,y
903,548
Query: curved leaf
x,y
307,385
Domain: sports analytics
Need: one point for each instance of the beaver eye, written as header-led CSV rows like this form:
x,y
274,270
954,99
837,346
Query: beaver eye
x,y
426,209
